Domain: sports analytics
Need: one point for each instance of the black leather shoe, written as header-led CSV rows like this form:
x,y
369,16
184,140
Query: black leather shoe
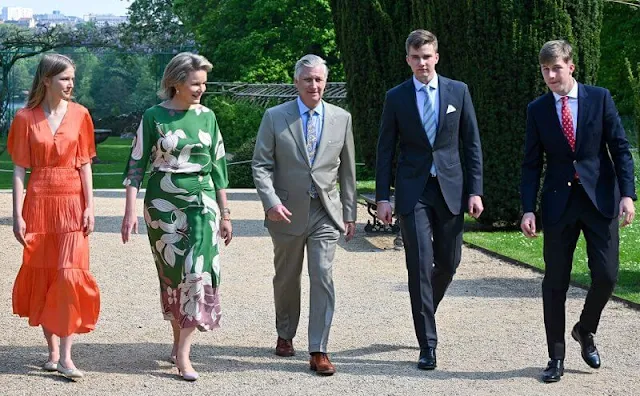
x,y
427,360
589,351
554,371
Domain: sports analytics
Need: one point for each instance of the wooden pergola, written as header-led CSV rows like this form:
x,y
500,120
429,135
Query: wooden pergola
x,y
272,94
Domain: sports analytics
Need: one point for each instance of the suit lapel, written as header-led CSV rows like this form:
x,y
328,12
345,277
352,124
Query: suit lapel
x,y
410,97
444,89
327,131
294,122
583,112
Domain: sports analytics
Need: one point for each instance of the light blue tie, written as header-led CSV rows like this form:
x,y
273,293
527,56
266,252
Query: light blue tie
x,y
312,143
429,122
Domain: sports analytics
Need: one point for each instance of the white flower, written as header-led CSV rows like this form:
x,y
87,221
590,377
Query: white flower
x,y
220,152
137,143
204,137
166,185
201,109
172,295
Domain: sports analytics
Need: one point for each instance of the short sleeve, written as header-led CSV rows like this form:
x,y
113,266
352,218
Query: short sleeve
x,y
86,141
218,158
18,141
140,152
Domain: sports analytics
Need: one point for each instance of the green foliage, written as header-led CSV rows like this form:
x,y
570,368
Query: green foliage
x,y
153,24
121,83
238,121
634,83
493,48
619,41
240,175
260,40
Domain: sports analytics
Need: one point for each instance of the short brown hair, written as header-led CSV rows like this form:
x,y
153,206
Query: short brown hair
x,y
420,37
178,70
554,49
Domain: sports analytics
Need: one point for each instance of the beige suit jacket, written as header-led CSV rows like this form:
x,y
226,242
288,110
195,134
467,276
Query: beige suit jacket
x,y
282,173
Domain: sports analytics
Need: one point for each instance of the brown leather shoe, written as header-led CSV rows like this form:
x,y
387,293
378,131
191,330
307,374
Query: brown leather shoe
x,y
284,348
320,364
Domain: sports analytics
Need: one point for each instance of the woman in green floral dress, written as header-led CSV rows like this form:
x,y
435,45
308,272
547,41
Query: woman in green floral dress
x,y
185,192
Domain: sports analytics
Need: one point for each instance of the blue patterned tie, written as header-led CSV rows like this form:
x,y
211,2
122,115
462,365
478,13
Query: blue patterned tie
x,y
312,140
429,122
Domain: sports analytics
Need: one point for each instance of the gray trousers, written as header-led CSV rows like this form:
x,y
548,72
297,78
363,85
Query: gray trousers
x,y
320,238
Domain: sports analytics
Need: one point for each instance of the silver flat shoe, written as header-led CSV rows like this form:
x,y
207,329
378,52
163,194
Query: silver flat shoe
x,y
73,373
188,376
50,366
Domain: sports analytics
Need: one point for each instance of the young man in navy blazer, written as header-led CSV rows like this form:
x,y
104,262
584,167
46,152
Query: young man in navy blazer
x,y
434,123
588,184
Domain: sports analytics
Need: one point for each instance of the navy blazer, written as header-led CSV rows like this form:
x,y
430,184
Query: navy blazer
x,y
457,124
602,158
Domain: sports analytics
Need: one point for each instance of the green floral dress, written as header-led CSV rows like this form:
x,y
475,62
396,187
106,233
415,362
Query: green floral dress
x,y
187,155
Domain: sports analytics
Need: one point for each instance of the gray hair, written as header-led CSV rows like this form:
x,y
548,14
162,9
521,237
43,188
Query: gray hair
x,y
310,61
178,70
555,49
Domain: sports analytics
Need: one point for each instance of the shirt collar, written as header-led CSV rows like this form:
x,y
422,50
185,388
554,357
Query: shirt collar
x,y
573,94
303,108
433,84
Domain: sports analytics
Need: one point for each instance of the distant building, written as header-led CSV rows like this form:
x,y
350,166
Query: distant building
x,y
105,19
55,19
22,22
16,13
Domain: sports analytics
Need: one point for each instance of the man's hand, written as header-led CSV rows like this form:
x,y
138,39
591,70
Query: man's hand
x,y
279,213
528,225
627,211
349,230
475,206
384,212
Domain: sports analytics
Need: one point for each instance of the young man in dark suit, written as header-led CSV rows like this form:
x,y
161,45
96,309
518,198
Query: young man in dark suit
x,y
588,184
433,120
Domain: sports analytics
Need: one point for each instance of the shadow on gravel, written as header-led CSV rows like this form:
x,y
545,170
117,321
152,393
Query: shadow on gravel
x,y
151,359
496,287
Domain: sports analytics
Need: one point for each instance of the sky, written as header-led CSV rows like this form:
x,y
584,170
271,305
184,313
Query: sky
x,y
71,7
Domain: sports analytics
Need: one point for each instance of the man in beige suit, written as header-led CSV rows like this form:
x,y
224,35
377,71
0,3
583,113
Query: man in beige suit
x,y
304,148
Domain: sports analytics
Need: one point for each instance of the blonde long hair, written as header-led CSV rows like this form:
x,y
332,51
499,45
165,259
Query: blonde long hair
x,y
50,65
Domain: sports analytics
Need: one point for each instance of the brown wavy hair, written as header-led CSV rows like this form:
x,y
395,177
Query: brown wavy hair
x,y
50,65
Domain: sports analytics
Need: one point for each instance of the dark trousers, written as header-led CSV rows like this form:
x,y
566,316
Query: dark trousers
x,y
432,238
601,235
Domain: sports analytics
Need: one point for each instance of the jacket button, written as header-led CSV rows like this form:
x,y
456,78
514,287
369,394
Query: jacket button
x,y
569,184
575,162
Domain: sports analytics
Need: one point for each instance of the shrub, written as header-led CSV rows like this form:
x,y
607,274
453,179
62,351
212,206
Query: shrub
x,y
238,121
240,175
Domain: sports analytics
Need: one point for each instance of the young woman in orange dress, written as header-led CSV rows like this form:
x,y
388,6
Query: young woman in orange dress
x,y
54,137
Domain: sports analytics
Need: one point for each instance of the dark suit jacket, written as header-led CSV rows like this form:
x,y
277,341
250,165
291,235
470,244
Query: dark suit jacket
x,y
602,158
457,123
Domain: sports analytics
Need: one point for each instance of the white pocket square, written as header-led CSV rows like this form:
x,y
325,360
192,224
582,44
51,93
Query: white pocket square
x,y
450,109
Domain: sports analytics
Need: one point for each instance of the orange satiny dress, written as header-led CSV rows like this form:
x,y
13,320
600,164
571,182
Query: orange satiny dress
x,y
54,287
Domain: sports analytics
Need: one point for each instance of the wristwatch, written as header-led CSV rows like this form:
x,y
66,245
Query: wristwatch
x,y
226,212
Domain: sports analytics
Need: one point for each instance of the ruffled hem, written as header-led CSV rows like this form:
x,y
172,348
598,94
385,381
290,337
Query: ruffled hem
x,y
63,301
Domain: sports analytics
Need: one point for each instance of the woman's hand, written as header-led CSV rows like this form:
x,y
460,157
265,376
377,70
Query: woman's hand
x,y
226,231
129,225
88,221
20,229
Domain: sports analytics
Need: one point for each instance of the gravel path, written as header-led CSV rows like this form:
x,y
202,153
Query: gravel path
x,y
490,325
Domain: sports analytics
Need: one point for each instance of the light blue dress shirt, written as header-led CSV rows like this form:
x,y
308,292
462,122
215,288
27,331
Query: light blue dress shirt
x,y
318,118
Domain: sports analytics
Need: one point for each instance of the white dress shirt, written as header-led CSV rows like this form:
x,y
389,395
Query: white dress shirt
x,y
573,106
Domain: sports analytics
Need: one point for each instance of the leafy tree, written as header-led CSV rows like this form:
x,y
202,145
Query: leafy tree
x,y
154,27
620,41
260,40
634,81
121,83
18,43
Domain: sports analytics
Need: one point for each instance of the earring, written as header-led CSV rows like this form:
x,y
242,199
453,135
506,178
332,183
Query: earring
x,y
177,91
